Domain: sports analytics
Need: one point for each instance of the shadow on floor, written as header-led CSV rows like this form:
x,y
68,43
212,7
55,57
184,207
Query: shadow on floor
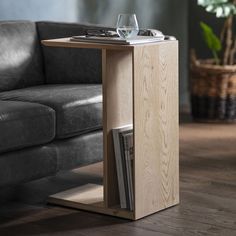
x,y
47,223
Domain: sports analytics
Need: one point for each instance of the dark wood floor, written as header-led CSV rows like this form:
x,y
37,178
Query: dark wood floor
x,y
207,184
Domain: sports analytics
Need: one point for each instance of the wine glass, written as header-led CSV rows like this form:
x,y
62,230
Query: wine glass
x,y
127,26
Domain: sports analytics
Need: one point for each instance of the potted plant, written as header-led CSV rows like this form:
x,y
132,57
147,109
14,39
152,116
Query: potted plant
x,y
213,81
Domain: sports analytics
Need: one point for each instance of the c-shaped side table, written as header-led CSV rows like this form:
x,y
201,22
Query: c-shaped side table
x,y
140,86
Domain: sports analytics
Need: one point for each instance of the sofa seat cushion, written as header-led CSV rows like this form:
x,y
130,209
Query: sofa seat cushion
x,y
78,151
78,107
27,164
24,124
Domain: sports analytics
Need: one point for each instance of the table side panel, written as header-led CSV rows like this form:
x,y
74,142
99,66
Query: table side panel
x,y
156,128
117,111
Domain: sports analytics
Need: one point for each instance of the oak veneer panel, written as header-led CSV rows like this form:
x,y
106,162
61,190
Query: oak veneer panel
x,y
156,127
90,198
140,86
67,43
86,194
117,111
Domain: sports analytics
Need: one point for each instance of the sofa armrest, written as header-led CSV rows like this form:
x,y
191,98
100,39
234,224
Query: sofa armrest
x,y
69,65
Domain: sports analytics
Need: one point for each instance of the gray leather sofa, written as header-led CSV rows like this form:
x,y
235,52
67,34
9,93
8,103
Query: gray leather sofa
x,y
50,102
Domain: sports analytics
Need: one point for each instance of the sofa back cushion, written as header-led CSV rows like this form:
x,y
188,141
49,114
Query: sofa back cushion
x,y
69,65
20,55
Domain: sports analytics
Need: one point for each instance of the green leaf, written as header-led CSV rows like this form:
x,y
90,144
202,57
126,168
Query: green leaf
x,y
211,2
211,40
222,8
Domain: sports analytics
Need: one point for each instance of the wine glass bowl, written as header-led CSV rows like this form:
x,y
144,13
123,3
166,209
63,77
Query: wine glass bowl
x,y
127,26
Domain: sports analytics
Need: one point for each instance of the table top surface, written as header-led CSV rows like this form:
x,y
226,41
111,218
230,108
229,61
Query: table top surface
x,y
66,42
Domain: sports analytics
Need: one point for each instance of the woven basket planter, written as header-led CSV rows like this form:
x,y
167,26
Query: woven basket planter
x,y
213,92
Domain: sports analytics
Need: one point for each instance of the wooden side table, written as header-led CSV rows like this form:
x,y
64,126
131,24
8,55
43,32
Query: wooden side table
x,y
140,86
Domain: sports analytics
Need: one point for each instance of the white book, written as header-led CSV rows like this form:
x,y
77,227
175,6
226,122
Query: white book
x,y
120,165
117,40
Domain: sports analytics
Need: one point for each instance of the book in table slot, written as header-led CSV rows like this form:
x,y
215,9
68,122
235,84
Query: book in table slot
x,y
124,156
117,40
127,142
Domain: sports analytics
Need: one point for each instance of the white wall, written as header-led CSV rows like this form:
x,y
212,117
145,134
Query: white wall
x,y
57,10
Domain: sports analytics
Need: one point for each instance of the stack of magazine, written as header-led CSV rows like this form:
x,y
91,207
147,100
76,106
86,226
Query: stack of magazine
x,y
117,40
124,155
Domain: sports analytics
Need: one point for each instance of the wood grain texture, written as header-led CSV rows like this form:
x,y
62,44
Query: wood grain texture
x,y
117,111
86,194
140,86
88,197
66,43
156,127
